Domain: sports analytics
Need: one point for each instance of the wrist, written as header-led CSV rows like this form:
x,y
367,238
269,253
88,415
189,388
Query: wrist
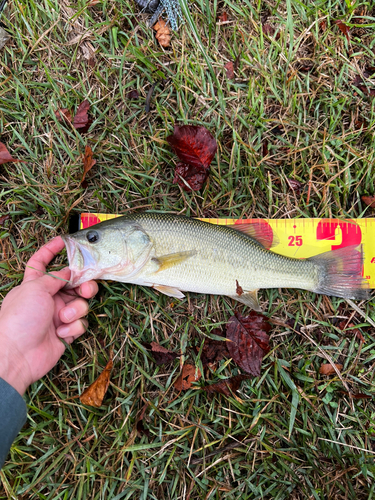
x,y
12,370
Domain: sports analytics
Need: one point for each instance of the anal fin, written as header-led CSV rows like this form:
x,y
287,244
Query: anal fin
x,y
249,299
169,290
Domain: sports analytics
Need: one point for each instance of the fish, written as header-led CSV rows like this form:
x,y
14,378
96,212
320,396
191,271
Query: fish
x,y
175,254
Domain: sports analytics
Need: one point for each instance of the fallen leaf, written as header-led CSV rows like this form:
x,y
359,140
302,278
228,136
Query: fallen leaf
x,y
328,369
188,177
88,162
227,386
63,115
239,289
350,329
369,201
249,341
213,350
229,69
268,29
140,427
81,121
133,94
94,395
161,354
323,25
343,28
296,186
194,145
223,18
5,156
163,34
3,218
265,148
188,375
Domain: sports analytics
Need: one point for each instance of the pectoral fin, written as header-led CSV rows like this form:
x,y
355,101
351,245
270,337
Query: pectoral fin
x,y
249,298
169,290
172,259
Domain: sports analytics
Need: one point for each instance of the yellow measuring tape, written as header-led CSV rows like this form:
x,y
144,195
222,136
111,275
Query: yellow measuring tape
x,y
301,238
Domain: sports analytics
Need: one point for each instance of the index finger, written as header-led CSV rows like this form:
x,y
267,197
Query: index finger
x,y
36,266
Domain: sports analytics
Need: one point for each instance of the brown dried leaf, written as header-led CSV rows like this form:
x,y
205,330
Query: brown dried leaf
x,y
5,156
81,121
188,375
369,201
239,289
268,29
160,353
227,386
296,186
133,94
88,162
3,218
229,69
63,115
328,369
94,395
249,340
163,33
214,350
140,427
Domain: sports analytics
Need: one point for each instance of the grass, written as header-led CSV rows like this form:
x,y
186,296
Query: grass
x,y
291,433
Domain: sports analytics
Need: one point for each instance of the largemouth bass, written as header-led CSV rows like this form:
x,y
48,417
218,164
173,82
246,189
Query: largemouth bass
x,y
173,253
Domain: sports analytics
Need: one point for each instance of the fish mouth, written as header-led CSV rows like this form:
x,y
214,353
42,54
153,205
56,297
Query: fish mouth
x,y
82,264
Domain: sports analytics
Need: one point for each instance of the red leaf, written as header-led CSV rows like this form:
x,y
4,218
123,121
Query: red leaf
x,y
63,115
343,28
186,174
369,200
81,120
194,145
224,17
132,94
88,162
214,350
3,218
5,156
268,29
188,375
295,185
161,354
249,340
229,69
226,386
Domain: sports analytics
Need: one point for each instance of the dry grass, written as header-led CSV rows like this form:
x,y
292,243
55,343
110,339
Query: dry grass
x,y
293,434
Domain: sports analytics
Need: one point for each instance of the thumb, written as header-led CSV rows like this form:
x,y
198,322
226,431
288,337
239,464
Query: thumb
x,y
55,281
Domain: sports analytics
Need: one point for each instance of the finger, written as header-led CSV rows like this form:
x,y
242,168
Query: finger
x,y
75,310
36,266
56,280
72,331
88,289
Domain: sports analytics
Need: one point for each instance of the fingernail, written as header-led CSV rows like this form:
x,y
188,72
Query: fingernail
x,y
69,313
63,331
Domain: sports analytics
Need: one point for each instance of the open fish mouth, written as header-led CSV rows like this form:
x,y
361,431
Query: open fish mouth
x,y
82,264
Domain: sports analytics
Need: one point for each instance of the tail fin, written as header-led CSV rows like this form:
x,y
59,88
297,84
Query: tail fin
x,y
340,273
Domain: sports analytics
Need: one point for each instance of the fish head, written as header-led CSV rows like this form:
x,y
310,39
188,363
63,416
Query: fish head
x,y
106,251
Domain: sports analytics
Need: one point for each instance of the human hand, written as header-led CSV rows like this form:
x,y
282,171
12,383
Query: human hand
x,y
34,317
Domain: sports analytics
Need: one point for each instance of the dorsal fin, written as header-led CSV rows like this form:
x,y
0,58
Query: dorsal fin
x,y
258,230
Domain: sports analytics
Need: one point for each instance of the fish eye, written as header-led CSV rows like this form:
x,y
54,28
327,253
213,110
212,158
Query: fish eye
x,y
92,236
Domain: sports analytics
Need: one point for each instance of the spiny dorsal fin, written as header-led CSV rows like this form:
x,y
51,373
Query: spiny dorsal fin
x,y
259,231
172,259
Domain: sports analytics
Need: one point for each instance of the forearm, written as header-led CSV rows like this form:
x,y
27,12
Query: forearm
x,y
12,417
